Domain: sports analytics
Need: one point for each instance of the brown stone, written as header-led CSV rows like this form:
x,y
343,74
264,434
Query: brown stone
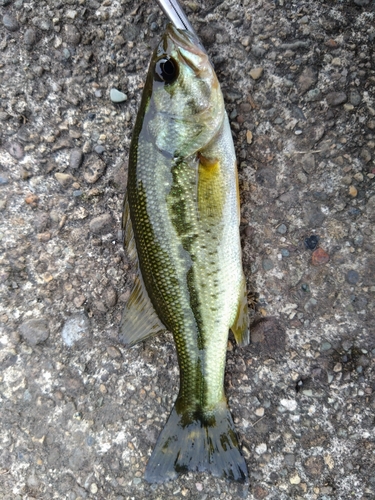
x,y
319,257
259,492
314,466
32,200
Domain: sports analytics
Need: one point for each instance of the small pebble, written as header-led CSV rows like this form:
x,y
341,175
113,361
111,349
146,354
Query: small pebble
x,y
326,346
76,327
256,73
355,97
267,264
284,252
294,478
249,137
261,448
94,171
353,191
310,304
34,331
336,98
312,242
76,158
337,368
113,352
101,224
93,489
29,37
313,95
117,96
319,257
99,149
289,404
282,229
65,180
10,23
259,412
352,277
16,150
72,35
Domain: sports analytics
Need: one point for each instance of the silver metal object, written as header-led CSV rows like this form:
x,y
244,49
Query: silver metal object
x,y
176,15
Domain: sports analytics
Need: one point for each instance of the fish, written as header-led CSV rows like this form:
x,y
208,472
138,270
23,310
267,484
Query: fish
x,y
181,230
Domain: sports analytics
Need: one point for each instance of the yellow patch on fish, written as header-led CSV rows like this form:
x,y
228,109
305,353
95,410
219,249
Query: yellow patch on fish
x,y
211,189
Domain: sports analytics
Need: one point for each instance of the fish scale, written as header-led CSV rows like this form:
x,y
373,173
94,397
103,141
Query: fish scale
x,y
181,220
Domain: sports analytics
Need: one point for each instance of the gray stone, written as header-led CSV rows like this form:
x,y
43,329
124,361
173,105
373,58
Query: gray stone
x,y
72,35
308,163
307,79
76,158
101,224
314,216
282,229
15,149
34,331
10,23
313,95
99,149
267,264
43,24
347,345
75,328
117,96
352,277
310,304
29,37
336,98
289,460
355,97
326,346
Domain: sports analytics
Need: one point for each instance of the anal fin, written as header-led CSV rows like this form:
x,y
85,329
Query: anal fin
x,y
139,320
240,327
129,241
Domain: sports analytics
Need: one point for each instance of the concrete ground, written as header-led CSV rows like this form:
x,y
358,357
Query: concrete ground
x,y
80,414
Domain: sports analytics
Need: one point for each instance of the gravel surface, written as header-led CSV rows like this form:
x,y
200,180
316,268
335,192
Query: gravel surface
x,y
79,413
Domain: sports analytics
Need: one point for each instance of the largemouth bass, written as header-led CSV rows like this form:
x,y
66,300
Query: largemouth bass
x,y
181,226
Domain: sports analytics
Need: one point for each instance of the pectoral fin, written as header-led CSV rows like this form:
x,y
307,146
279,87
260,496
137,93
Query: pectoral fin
x,y
240,327
139,320
129,241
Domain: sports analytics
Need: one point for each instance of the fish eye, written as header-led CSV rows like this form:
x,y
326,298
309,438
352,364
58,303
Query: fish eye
x,y
166,70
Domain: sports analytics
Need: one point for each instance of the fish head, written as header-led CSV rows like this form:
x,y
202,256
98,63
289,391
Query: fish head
x,y
185,101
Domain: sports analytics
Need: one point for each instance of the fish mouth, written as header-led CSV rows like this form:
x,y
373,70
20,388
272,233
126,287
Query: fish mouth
x,y
189,48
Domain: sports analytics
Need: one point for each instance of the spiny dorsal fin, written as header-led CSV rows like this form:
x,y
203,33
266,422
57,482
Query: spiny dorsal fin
x,y
129,241
139,320
240,327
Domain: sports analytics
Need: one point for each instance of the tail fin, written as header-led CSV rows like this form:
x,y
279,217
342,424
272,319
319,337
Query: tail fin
x,y
204,444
